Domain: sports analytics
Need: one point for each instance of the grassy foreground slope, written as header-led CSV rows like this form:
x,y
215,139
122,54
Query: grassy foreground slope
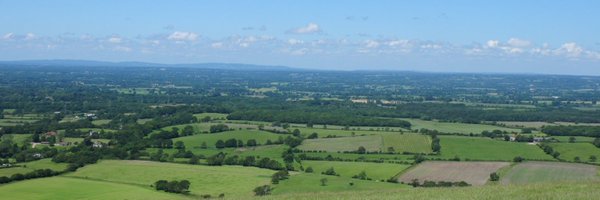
x,y
532,171
586,190
75,188
204,179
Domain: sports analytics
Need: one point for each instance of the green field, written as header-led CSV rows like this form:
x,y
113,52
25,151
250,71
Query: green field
x,y
33,165
569,151
233,181
585,190
353,156
479,148
339,133
370,143
100,122
270,151
195,141
17,138
533,172
577,138
310,183
375,142
456,127
76,188
375,171
212,116
79,140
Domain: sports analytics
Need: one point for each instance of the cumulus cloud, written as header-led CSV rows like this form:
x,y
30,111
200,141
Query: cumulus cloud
x,y
30,36
308,29
492,43
295,41
115,40
570,49
216,45
371,44
516,42
8,36
183,36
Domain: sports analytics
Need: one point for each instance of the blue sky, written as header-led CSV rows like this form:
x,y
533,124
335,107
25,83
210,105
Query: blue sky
x,y
458,36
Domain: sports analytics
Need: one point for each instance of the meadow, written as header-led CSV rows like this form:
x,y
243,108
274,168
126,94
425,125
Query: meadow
x,y
568,151
535,172
26,167
233,181
310,183
480,148
407,142
375,171
195,141
577,138
462,128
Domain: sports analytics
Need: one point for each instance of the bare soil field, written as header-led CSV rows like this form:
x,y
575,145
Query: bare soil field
x,y
474,173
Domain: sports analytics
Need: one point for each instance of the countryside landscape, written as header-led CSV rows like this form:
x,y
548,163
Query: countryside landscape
x,y
299,100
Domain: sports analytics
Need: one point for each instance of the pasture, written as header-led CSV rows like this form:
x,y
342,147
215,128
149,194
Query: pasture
x,y
375,171
79,188
349,156
474,173
26,167
213,116
480,148
462,128
195,141
535,172
233,181
577,138
569,151
407,142
310,183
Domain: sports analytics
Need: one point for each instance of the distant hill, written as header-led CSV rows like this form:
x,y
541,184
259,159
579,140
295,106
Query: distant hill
x,y
91,63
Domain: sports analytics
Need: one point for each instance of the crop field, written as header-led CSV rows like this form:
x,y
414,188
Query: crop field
x,y
378,142
33,165
479,148
211,138
534,172
456,127
310,183
212,116
475,173
77,188
569,151
233,181
375,171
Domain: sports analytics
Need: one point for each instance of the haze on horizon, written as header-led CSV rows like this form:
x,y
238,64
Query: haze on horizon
x,y
556,37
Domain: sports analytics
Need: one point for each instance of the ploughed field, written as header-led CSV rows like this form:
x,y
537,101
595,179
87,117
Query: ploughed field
x,y
474,173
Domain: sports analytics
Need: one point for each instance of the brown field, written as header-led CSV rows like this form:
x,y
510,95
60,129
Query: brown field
x,y
474,173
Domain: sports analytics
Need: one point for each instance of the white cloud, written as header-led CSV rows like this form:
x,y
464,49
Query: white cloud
x,y
492,43
217,45
123,49
308,29
295,41
115,40
570,49
371,44
399,43
8,36
182,36
30,36
516,42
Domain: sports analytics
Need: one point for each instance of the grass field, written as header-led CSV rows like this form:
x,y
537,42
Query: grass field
x,y
17,138
79,140
375,171
76,188
456,127
33,165
211,138
479,148
525,124
586,190
377,142
533,172
577,138
384,157
310,183
339,133
233,181
569,151
100,122
475,173
212,116
370,143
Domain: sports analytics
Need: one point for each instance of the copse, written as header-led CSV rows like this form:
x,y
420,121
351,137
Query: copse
x,y
181,187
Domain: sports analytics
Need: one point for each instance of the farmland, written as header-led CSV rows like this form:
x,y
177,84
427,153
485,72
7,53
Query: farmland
x,y
534,172
196,141
379,142
462,128
477,148
474,173
376,171
572,151
204,179
26,167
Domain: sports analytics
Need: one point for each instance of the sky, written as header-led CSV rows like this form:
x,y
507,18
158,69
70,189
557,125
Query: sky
x,y
525,36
